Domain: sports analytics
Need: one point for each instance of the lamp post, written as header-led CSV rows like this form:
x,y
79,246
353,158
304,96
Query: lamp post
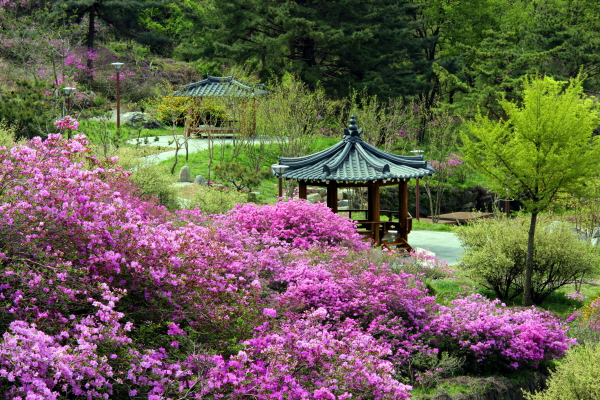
x,y
68,92
418,188
278,171
117,66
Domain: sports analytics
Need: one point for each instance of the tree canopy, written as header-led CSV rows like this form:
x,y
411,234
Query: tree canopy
x,y
367,45
543,147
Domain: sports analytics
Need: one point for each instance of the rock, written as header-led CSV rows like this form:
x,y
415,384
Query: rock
x,y
144,120
468,206
468,196
200,180
314,198
345,194
554,225
184,174
343,203
594,241
323,193
253,196
596,232
581,235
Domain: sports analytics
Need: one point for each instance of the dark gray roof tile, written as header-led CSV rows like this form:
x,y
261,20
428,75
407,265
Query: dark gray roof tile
x,y
353,160
223,86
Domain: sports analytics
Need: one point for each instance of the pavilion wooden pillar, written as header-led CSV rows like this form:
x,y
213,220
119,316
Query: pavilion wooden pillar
x,y
371,203
302,190
374,210
332,201
403,208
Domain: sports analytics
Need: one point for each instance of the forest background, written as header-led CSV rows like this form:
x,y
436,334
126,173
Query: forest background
x,y
456,55
443,61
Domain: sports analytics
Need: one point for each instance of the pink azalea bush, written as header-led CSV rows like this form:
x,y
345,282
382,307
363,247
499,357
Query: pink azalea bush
x,y
296,222
305,359
488,333
67,123
104,295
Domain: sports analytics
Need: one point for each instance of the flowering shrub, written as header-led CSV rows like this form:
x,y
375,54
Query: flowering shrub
x,y
447,165
296,222
105,295
67,122
306,359
424,264
489,333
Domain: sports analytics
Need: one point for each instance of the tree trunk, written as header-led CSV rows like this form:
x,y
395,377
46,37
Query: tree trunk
x,y
90,42
527,297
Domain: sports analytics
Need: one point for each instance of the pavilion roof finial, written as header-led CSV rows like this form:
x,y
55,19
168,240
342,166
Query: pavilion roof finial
x,y
353,130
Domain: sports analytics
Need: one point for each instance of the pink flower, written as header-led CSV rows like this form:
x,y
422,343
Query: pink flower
x,y
67,122
269,312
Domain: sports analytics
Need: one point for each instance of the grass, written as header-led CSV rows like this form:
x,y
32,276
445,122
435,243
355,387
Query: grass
x,y
262,159
428,226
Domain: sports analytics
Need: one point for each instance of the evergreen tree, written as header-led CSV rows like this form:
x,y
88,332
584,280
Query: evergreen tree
x,y
360,44
121,15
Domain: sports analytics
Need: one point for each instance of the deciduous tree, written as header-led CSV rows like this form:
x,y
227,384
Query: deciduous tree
x,y
542,148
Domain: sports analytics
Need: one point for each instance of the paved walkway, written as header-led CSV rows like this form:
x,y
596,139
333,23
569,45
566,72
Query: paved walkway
x,y
195,145
445,245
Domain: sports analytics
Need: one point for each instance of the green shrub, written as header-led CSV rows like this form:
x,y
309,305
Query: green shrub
x,y
156,182
8,136
239,176
496,249
29,110
576,378
215,200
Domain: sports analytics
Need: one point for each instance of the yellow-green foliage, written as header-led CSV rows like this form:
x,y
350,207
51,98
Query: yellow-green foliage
x,y
156,182
544,148
584,212
215,200
496,249
576,378
7,136
172,110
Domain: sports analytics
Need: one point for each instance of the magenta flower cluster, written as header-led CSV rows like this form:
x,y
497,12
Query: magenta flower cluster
x,y
67,123
453,160
104,295
487,332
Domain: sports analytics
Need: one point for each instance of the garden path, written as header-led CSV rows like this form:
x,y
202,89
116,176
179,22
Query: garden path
x,y
445,245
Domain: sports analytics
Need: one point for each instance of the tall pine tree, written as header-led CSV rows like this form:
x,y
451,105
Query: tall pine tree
x,y
122,15
352,44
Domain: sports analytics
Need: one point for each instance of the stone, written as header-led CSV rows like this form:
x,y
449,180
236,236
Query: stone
x,y
138,119
554,225
345,194
343,203
200,180
468,196
314,198
596,232
595,241
323,193
253,196
468,206
184,174
581,235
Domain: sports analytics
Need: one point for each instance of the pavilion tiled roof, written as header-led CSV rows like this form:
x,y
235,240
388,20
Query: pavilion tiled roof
x,y
353,160
220,86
